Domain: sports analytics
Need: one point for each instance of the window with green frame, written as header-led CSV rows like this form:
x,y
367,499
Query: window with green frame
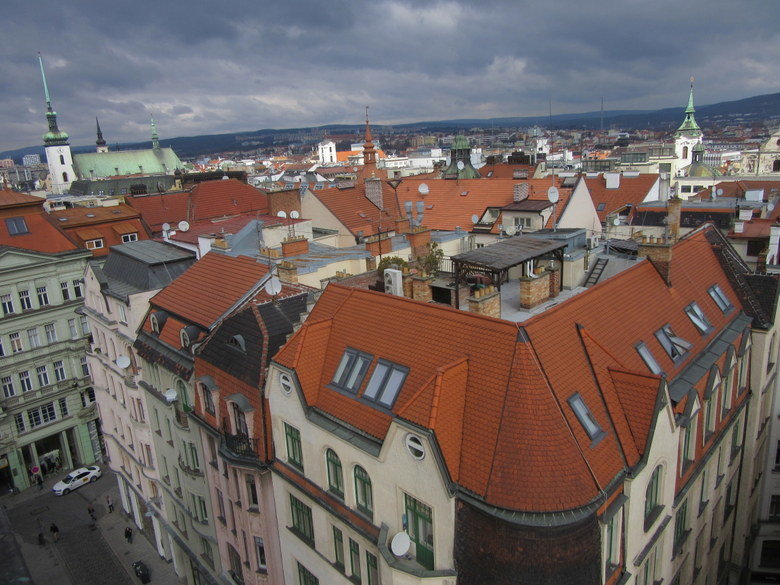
x,y
372,569
651,496
354,561
364,498
335,473
338,548
681,526
302,521
419,519
294,447
305,577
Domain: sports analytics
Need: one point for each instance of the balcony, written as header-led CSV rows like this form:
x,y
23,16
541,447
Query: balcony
x,y
239,448
181,419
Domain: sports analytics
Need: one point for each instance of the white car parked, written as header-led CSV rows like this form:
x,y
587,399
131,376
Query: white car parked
x,y
75,479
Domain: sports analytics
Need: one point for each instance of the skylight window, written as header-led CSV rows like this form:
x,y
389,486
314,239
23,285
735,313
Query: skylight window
x,y
385,383
16,226
720,298
675,347
586,418
698,318
649,359
351,371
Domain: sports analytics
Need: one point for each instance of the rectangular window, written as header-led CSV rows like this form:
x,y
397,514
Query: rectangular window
x,y
122,313
8,386
77,290
646,574
84,366
385,383
87,397
306,577
16,342
59,371
697,317
262,564
351,370
338,548
33,338
16,226
41,415
24,300
302,519
72,329
586,418
680,526
19,421
24,381
649,359
94,244
354,561
2,350
51,332
251,492
84,325
63,407
205,551
674,346
294,447
129,238
774,509
8,304
720,298
43,296
420,528
372,569
65,291
43,375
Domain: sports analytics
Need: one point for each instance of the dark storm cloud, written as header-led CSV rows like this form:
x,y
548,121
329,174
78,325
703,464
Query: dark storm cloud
x,y
200,67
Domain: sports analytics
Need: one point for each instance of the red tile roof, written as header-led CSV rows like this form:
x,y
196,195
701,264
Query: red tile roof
x,y
41,236
753,229
631,191
207,200
209,288
106,223
356,211
496,394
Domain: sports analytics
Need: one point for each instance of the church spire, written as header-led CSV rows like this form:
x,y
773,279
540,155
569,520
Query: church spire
x,y
155,138
54,137
369,154
101,144
689,125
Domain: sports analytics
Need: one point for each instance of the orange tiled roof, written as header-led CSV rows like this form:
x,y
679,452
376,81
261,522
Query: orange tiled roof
x,y
209,288
632,191
106,223
505,171
755,228
40,237
10,198
495,394
356,211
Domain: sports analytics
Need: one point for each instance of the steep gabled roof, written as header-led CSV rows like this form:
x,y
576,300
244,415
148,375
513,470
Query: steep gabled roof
x,y
631,191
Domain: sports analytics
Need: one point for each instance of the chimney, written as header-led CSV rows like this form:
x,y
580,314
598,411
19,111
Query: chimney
x,y
286,201
613,180
287,272
294,246
739,227
774,239
421,287
745,214
659,254
673,212
664,187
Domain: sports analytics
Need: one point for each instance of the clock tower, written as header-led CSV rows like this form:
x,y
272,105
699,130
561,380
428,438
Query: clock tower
x,y
58,155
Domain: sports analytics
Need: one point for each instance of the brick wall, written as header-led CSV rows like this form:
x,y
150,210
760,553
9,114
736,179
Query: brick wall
x,y
555,283
421,288
487,303
534,290
294,247
490,551
659,253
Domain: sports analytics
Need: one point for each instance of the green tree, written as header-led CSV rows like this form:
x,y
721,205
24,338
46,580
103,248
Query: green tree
x,y
432,260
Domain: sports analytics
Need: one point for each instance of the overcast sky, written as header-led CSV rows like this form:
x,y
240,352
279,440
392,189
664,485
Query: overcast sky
x,y
204,67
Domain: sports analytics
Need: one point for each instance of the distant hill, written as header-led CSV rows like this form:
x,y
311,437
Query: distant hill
x,y
748,110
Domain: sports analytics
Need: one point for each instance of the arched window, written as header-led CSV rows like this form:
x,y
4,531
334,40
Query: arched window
x,y
685,152
64,177
776,165
181,391
363,496
652,496
335,474
62,160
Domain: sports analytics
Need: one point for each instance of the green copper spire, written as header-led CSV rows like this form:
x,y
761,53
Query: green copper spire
x,y
155,138
54,137
689,125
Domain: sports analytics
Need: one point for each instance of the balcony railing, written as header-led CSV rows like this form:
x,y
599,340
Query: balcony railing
x,y
241,445
181,419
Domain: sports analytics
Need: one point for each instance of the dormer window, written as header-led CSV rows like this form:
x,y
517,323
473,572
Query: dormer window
x,y
586,418
649,359
187,335
674,346
94,244
351,371
720,298
237,341
385,383
157,321
697,317
129,238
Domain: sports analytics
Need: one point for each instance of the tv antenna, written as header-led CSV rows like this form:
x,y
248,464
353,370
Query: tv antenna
x,y
552,197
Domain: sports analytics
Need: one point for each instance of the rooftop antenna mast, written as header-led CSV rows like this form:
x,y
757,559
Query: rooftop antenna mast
x,y
601,128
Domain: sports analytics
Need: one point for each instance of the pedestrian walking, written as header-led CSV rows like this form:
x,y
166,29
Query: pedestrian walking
x,y
55,532
110,504
39,481
129,535
91,510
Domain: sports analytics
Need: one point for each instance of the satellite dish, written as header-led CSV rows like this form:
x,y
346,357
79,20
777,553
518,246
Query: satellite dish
x,y
719,192
475,218
616,221
354,169
166,226
184,225
170,395
123,361
294,214
274,286
510,230
423,189
552,195
460,165
400,544
281,214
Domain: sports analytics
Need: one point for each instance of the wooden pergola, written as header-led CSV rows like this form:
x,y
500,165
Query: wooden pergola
x,y
495,260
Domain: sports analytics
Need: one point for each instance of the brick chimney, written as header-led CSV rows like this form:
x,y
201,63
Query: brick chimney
x,y
673,213
486,301
659,253
379,244
421,287
419,239
294,246
287,272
